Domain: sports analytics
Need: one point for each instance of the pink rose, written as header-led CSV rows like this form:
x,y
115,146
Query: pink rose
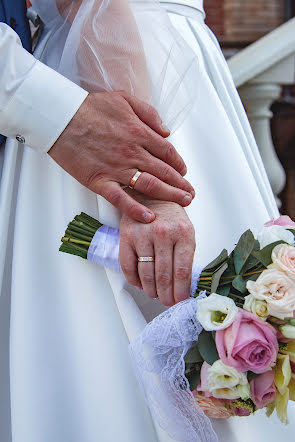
x,y
283,258
263,390
248,343
283,220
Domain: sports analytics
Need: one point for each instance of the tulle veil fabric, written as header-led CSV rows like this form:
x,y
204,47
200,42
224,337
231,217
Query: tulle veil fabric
x,y
110,45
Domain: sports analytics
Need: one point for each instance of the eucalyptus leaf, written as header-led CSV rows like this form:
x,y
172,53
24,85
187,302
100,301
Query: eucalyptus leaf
x,y
250,264
223,290
193,355
194,379
239,284
264,255
217,261
207,347
256,245
243,250
216,277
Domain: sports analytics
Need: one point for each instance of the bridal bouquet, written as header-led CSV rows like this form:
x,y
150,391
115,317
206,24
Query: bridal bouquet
x,y
230,349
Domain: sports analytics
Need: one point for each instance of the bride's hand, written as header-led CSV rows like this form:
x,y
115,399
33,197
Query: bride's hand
x,y
171,240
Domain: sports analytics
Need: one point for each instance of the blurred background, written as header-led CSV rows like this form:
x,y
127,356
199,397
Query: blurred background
x,y
264,74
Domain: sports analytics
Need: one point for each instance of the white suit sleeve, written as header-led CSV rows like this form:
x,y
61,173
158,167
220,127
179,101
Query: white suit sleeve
x,y
36,102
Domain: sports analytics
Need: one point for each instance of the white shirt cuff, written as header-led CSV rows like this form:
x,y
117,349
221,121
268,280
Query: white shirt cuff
x,y
41,107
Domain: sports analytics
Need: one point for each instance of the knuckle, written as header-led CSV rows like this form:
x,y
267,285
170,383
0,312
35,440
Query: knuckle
x,y
128,151
115,196
161,231
147,279
166,173
150,185
185,228
133,211
169,152
182,273
164,279
135,129
93,178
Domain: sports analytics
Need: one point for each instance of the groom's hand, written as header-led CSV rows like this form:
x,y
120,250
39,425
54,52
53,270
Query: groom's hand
x,y
112,136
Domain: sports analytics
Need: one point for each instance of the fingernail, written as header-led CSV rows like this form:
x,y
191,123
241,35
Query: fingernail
x,y
193,193
187,200
164,128
147,217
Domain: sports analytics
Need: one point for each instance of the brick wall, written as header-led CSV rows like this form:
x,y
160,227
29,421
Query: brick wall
x,y
214,16
243,20
248,20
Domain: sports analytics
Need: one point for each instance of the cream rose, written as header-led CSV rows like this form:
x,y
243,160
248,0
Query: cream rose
x,y
269,235
283,258
256,306
277,289
216,312
226,382
288,331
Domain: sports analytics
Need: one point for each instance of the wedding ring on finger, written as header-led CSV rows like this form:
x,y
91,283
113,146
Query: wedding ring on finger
x,y
146,259
134,179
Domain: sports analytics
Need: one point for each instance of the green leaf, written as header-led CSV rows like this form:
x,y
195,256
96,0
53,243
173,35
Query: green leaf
x,y
223,290
194,379
207,347
216,277
243,250
217,261
193,355
239,284
264,255
250,264
292,231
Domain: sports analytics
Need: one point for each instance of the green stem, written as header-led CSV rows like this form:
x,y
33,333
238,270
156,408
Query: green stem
x,y
75,241
76,235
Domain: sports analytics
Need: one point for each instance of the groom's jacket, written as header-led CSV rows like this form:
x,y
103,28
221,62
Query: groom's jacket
x,y
13,13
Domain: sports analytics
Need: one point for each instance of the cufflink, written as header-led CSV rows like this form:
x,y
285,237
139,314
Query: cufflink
x,y
20,139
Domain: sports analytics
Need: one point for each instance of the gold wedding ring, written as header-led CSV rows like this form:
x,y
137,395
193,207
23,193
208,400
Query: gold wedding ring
x,y
134,179
146,259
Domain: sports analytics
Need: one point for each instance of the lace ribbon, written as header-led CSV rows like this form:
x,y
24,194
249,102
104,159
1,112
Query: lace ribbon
x,y
158,353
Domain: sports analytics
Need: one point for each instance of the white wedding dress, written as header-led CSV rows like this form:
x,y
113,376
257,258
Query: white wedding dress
x,y
71,321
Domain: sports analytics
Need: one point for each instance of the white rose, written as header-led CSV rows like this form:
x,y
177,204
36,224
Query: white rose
x,y
256,306
283,258
277,289
288,331
216,312
271,234
225,381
